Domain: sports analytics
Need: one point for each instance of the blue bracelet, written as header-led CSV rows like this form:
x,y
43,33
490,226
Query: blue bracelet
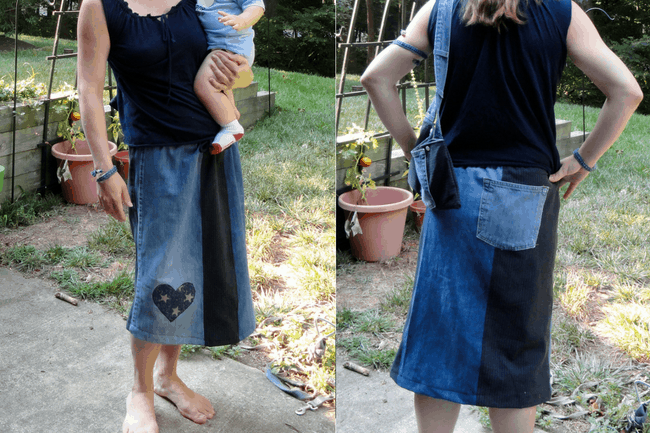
x,y
581,161
104,176
412,49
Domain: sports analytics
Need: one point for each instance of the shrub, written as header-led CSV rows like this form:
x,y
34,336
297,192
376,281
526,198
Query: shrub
x,y
635,53
297,40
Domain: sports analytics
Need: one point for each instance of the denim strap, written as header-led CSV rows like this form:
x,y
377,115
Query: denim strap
x,y
441,60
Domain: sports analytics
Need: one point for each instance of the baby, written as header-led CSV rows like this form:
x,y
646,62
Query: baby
x,y
227,25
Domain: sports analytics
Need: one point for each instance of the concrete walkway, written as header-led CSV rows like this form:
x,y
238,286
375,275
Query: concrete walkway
x,y
68,369
376,404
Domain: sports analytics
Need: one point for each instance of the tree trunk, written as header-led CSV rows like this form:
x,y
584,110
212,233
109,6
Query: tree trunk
x,y
270,7
371,29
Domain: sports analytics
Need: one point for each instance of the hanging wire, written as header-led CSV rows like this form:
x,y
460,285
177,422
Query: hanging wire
x,y
599,9
13,149
268,56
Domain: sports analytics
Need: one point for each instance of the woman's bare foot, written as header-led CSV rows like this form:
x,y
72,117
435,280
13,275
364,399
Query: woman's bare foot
x,y
140,415
191,405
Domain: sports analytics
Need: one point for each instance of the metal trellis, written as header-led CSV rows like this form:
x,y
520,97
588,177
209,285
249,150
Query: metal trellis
x,y
402,85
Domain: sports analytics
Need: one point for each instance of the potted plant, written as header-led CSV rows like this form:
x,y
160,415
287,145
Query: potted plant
x,y
375,215
75,160
419,209
122,155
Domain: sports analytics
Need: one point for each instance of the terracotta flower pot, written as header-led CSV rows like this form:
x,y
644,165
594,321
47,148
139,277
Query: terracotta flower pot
x,y
122,165
419,210
82,188
382,219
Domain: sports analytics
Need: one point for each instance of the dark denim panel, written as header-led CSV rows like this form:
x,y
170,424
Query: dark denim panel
x,y
516,342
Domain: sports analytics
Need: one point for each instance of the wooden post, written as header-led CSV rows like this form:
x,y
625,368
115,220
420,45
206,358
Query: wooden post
x,y
346,53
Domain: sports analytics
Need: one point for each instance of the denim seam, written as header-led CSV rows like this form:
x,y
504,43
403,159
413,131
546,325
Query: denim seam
x,y
139,212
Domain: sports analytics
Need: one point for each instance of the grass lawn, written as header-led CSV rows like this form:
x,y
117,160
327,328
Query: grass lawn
x,y
288,166
601,333
34,63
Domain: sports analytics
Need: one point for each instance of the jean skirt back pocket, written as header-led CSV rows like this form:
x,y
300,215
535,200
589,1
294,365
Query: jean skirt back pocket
x,y
510,214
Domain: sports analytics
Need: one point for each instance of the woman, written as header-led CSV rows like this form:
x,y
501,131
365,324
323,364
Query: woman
x,y
185,205
478,330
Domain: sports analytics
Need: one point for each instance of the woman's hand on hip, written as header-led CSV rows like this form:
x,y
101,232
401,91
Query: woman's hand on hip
x,y
570,172
112,194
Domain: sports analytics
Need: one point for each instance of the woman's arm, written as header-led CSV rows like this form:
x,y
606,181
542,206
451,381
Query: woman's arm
x,y
94,45
614,79
381,76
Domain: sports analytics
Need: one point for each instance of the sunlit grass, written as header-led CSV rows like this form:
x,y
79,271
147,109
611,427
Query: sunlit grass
x,y
288,165
628,326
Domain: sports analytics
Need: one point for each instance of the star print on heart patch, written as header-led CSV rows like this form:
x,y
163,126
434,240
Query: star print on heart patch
x,y
172,302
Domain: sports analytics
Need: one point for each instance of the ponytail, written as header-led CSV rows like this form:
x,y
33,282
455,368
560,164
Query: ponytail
x,y
492,13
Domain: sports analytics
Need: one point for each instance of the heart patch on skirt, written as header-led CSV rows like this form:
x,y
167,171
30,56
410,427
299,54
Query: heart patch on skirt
x,y
172,302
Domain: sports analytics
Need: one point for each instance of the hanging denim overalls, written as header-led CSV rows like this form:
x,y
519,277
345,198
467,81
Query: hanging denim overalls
x,y
431,172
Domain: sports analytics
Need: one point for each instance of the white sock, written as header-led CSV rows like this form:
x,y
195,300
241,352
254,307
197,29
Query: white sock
x,y
233,127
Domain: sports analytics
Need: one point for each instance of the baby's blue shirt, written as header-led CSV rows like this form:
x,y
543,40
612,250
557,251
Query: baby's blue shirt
x,y
225,37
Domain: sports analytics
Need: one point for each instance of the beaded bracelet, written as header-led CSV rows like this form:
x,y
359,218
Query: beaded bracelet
x,y
581,161
104,176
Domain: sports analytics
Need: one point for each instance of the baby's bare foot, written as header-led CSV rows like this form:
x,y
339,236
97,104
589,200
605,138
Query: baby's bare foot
x,y
140,415
191,405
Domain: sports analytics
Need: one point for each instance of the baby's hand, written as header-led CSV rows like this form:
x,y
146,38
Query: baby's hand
x,y
234,21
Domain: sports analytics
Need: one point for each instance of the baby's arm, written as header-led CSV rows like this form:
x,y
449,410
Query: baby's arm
x,y
246,19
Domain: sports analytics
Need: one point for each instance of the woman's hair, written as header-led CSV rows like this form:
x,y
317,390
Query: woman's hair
x,y
493,13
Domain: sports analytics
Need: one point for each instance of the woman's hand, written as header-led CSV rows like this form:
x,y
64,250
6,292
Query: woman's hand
x,y
112,194
225,67
570,172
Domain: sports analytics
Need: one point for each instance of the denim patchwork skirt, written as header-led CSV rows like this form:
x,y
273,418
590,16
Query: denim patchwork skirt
x,y
478,328
188,223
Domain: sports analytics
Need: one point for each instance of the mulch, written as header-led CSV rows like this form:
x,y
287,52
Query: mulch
x,y
9,44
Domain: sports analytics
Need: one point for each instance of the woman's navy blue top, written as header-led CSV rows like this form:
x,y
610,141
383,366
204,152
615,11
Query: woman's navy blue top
x,y
501,88
155,60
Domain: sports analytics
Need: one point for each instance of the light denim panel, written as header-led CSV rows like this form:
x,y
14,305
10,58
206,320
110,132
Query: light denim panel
x,y
510,214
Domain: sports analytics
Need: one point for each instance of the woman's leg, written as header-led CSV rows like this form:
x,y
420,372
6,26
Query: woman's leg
x,y
140,415
513,420
167,384
434,415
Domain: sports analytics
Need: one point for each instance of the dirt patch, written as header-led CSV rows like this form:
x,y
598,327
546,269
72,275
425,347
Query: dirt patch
x,y
68,229
9,44
363,286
